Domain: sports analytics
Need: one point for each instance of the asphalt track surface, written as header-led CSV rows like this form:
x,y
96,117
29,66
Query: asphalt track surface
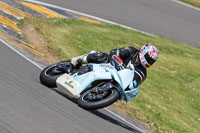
x,y
161,17
26,106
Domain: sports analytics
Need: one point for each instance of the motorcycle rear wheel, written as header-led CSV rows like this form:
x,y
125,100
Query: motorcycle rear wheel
x,y
110,96
49,75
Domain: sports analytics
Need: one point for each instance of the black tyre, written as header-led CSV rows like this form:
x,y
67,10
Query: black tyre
x,y
49,75
107,98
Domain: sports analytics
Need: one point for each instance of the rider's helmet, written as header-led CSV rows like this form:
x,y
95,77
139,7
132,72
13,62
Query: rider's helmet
x,y
148,54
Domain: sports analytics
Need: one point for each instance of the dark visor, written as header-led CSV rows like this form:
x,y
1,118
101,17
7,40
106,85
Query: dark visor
x,y
149,59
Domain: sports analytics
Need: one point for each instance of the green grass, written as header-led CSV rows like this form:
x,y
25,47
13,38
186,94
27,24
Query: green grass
x,y
168,101
195,3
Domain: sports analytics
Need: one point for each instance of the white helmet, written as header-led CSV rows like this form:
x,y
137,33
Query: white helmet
x,y
148,54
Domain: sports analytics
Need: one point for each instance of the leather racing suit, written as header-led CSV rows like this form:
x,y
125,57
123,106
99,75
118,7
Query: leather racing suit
x,y
129,55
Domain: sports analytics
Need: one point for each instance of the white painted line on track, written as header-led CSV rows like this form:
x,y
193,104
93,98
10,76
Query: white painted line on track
x,y
185,4
39,66
86,15
96,18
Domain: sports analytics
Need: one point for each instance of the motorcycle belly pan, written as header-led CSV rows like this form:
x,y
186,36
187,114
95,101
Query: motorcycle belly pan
x,y
67,85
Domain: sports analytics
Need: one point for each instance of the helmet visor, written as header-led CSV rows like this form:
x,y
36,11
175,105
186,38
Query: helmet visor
x,y
149,60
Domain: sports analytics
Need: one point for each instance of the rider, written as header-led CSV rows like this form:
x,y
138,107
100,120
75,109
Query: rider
x,y
141,59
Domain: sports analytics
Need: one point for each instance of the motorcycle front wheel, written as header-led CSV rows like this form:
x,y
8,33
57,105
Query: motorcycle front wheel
x,y
91,100
49,75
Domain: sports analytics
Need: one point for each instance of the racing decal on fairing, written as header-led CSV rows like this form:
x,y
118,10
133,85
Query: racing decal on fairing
x,y
69,84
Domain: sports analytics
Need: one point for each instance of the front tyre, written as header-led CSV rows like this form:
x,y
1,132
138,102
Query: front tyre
x,y
91,100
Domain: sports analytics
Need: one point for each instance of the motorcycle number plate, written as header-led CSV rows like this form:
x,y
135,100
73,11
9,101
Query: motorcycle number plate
x,y
67,85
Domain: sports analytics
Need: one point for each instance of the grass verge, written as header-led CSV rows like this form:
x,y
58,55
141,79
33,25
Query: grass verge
x,y
168,101
195,3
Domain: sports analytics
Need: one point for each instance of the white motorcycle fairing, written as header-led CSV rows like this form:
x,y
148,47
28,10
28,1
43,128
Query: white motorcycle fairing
x,y
74,85
68,85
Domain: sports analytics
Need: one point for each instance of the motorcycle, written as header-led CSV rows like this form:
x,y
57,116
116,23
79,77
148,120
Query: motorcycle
x,y
94,86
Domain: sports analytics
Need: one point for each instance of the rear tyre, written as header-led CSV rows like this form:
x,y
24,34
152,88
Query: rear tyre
x,y
49,75
90,101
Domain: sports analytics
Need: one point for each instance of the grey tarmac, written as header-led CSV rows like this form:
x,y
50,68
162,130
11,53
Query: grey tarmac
x,y
26,106
161,17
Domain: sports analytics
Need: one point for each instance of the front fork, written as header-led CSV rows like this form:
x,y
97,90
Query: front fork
x,y
106,87
99,92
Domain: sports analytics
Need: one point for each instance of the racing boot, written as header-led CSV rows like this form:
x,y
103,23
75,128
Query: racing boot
x,y
78,61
